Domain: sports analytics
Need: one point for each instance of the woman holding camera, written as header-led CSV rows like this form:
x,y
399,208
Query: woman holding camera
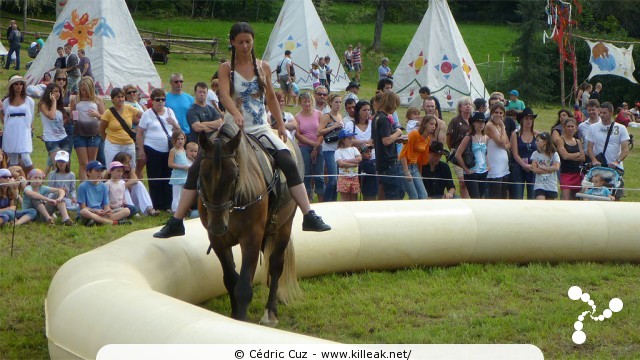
x,y
329,127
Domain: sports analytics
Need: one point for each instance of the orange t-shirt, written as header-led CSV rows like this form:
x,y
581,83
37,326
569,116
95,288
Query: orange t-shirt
x,y
416,150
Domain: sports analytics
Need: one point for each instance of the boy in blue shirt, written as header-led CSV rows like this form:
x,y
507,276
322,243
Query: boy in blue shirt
x,y
93,199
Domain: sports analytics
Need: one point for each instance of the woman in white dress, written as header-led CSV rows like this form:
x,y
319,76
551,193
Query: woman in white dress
x,y
17,117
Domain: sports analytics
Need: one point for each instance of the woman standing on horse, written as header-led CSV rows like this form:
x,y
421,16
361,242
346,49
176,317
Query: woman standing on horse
x,y
243,89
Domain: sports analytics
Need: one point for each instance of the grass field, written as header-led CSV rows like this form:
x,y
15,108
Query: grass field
x,y
466,303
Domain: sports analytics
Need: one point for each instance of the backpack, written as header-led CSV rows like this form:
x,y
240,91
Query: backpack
x,y
279,67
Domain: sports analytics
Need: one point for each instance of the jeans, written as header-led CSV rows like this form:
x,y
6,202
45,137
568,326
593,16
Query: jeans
x,y
13,49
313,169
392,182
330,193
415,187
32,213
519,177
476,184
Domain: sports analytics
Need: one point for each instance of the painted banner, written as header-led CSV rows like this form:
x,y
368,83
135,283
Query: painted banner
x,y
607,59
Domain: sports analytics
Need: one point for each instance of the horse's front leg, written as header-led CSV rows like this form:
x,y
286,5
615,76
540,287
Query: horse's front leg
x,y
229,274
250,247
276,264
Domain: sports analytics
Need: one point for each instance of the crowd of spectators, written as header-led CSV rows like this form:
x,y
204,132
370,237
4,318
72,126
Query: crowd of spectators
x,y
342,138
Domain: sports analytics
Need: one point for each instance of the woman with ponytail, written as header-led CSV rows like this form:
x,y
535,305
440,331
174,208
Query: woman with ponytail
x,y
243,88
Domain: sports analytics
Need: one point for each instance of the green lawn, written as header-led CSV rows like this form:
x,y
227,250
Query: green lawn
x,y
466,303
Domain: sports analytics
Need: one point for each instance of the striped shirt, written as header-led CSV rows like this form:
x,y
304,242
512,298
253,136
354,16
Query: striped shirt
x,y
355,56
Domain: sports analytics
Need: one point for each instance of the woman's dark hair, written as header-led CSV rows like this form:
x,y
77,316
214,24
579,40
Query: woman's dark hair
x,y
569,114
122,157
356,112
244,28
117,91
13,94
157,92
46,97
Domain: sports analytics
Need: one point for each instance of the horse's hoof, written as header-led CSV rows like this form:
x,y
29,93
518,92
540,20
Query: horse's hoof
x,y
267,321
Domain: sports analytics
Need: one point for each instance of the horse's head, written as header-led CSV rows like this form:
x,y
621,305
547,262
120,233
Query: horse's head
x,y
219,174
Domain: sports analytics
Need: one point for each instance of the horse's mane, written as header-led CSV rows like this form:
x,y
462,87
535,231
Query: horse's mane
x,y
251,180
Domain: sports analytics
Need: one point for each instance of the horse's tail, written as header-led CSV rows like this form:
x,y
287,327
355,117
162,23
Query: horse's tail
x,y
288,287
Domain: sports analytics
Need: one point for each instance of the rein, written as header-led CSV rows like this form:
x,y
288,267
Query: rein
x,y
231,205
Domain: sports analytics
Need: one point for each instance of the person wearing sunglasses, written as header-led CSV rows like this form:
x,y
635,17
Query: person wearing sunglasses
x,y
153,137
320,95
131,98
17,113
179,101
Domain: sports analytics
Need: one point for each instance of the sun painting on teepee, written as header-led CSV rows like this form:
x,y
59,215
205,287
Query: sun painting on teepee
x,y
289,44
418,63
79,30
445,67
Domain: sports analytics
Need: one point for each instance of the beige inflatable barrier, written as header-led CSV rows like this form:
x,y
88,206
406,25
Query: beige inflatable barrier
x,y
139,289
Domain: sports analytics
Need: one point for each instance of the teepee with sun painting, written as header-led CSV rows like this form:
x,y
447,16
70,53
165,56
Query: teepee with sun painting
x,y
110,39
437,57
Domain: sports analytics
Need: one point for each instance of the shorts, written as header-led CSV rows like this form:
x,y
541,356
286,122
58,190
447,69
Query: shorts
x,y
283,80
348,185
570,181
549,195
86,141
459,171
357,66
55,146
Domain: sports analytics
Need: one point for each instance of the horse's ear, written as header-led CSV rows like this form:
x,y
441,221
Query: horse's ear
x,y
235,141
204,141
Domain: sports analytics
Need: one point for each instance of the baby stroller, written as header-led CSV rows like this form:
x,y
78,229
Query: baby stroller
x,y
612,180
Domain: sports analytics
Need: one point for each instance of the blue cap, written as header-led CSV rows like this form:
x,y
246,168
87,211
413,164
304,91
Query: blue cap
x,y
343,134
514,93
95,165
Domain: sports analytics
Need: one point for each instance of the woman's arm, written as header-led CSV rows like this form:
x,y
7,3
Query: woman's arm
x,y
581,157
272,101
102,129
140,143
463,145
50,114
322,127
224,89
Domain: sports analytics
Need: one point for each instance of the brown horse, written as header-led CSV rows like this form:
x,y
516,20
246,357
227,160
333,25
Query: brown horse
x,y
234,208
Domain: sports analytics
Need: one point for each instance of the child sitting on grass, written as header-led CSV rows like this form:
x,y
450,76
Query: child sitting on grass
x,y
36,196
63,178
118,189
9,200
599,188
93,197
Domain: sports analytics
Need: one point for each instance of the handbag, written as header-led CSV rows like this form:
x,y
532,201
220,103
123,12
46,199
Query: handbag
x,y
279,67
332,136
163,128
600,156
123,124
467,156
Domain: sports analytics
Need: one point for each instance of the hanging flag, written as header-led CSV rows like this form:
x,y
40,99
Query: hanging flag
x,y
607,59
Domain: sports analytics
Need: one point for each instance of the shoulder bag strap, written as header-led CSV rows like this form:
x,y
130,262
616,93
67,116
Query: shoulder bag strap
x,y
123,123
606,142
161,123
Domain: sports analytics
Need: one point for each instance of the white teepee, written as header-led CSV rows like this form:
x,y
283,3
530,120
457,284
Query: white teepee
x,y
300,30
437,57
105,30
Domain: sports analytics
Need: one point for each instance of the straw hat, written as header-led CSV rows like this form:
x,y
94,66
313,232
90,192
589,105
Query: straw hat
x,y
14,79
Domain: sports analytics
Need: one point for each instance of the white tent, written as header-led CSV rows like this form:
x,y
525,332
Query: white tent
x,y
437,57
105,30
300,30
3,50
